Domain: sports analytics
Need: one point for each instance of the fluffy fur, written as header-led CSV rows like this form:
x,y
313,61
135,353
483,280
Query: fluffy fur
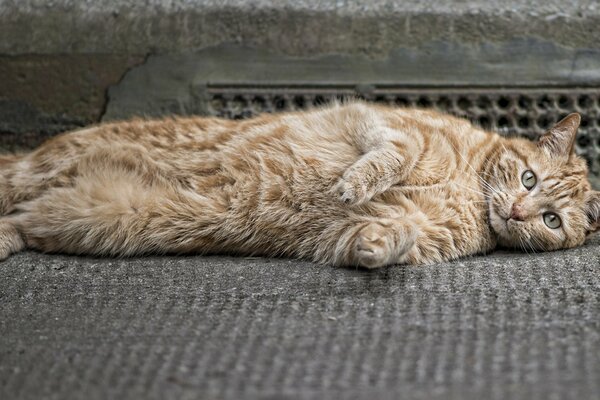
x,y
349,184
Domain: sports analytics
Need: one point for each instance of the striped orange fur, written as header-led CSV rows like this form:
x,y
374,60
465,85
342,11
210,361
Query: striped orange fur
x,y
348,184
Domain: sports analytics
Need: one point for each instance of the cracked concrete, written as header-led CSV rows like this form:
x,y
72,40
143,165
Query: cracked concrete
x,y
41,96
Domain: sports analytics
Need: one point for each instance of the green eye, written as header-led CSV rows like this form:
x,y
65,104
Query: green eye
x,y
552,220
528,179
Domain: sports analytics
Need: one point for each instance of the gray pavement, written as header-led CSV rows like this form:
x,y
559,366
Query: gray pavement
x,y
507,325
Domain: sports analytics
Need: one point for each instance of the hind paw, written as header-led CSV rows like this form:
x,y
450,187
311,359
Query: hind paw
x,y
373,247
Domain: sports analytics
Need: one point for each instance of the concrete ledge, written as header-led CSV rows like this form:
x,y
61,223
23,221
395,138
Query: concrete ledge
x,y
294,27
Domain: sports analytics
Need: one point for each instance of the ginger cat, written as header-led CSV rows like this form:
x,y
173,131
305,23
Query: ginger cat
x,y
349,184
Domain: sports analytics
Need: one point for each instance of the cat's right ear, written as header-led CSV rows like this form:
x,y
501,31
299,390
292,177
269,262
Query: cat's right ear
x,y
593,210
558,141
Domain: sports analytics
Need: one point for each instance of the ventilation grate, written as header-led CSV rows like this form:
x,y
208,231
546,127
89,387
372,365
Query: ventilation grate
x,y
519,111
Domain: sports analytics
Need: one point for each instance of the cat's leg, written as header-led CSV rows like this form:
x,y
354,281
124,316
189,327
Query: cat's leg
x,y
113,210
378,169
10,239
377,243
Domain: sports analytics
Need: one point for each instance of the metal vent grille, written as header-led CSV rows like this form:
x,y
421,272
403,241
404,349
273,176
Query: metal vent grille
x,y
520,111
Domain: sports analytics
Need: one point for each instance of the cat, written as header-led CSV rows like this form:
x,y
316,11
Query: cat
x,y
349,184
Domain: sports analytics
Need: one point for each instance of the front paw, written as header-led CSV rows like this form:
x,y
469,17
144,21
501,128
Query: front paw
x,y
351,192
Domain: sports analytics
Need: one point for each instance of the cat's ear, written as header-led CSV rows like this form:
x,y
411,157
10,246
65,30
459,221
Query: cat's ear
x,y
593,210
558,141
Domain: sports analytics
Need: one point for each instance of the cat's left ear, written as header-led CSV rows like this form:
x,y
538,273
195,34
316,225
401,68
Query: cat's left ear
x,y
593,210
558,141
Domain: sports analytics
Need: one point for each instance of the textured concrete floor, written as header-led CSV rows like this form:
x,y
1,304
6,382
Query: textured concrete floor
x,y
495,327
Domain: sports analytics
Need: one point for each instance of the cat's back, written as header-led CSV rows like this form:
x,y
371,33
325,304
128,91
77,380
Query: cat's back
x,y
316,144
172,137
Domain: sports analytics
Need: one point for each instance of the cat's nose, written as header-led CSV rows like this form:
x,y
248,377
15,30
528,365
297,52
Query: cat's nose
x,y
517,213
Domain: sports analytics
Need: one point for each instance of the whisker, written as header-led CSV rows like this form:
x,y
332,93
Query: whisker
x,y
538,243
523,245
483,181
469,188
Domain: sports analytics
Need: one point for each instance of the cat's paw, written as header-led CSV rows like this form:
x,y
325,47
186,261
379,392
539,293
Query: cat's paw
x,y
5,252
351,192
10,241
372,248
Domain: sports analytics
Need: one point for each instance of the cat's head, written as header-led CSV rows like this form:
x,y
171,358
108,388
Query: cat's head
x,y
541,197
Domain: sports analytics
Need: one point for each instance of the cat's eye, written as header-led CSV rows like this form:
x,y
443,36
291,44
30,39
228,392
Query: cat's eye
x,y
528,179
552,220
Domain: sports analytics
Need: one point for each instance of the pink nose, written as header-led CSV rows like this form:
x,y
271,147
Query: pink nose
x,y
517,213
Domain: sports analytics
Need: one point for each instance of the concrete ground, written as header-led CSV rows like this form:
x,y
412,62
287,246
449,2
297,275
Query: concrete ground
x,y
507,325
